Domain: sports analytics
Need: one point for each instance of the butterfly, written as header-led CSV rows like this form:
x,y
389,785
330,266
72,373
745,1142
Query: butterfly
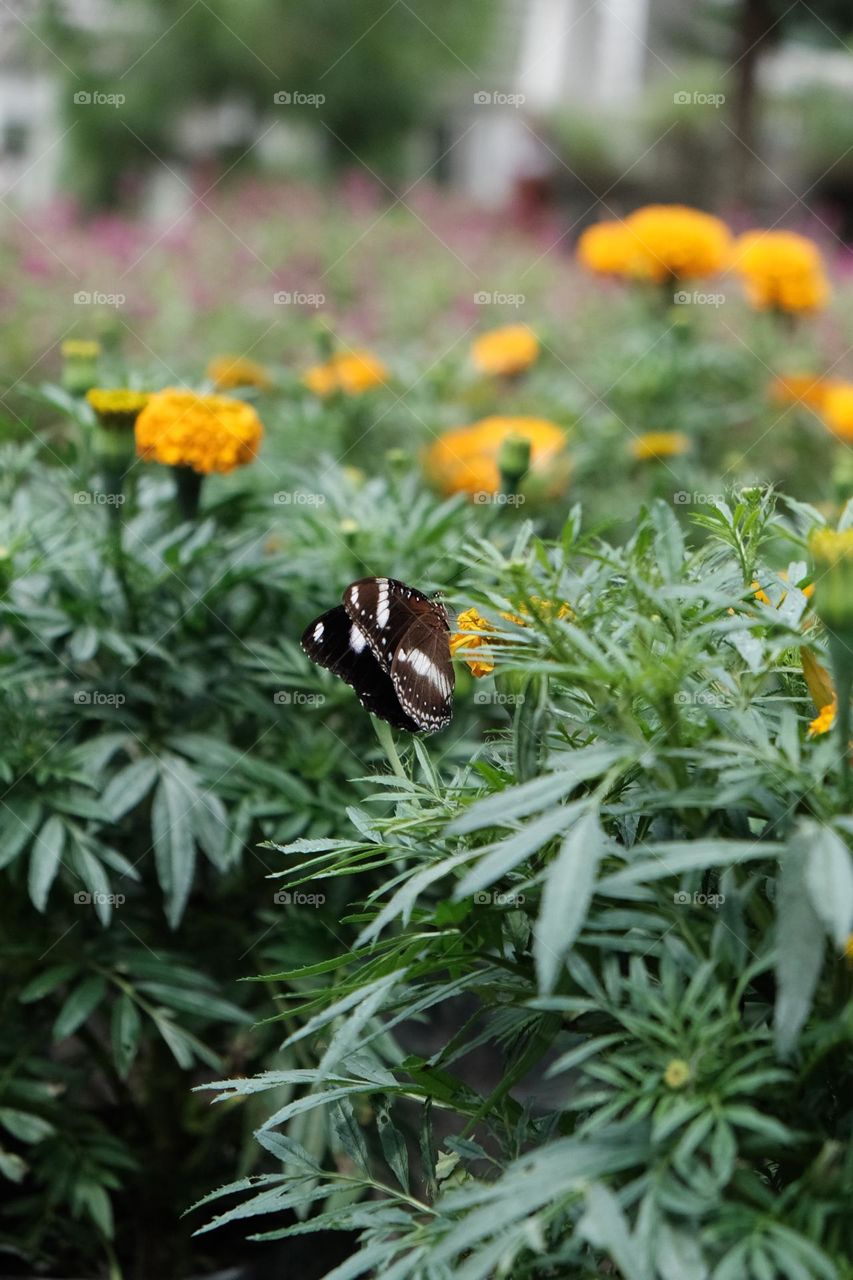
x,y
392,644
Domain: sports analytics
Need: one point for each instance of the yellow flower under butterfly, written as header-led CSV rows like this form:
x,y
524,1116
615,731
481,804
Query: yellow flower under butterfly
x,y
506,351
206,433
475,636
824,720
348,372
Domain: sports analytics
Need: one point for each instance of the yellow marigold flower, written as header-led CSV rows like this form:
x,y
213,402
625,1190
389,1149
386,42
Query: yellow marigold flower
x,y
781,269
837,409
677,1073
611,249
465,459
229,372
809,389
824,720
760,594
677,242
464,642
80,349
351,372
207,433
116,407
656,445
505,351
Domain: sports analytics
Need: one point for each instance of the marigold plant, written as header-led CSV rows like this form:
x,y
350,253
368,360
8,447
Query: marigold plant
x,y
207,433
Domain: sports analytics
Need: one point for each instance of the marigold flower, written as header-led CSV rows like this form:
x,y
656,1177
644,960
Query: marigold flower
x,y
824,720
656,445
207,433
465,641
505,351
761,595
611,249
350,372
117,407
465,459
228,372
677,1073
837,409
848,949
677,242
809,389
781,269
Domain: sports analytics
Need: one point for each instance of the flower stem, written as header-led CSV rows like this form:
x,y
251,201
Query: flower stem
x,y
386,741
187,491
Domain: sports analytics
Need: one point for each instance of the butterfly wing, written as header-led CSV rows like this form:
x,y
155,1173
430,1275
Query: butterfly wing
x,y
335,642
422,674
384,609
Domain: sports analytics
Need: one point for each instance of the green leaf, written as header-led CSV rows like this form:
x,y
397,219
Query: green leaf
x,y
799,947
82,1001
43,983
25,1126
566,896
174,848
347,1132
393,1144
19,819
125,1030
45,858
829,879
127,787
604,1224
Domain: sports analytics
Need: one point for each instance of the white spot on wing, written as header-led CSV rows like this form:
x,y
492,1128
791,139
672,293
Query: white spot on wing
x,y
318,631
357,639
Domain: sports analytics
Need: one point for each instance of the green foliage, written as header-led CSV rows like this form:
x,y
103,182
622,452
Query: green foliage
x,y
647,1063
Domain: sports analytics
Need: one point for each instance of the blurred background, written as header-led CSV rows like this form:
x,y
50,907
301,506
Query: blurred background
x,y
166,165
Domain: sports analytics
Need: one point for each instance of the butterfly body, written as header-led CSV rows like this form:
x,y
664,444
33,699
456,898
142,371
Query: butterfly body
x,y
391,643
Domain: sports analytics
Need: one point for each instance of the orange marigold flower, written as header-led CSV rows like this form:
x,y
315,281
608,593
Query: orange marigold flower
x,y
809,389
465,459
824,720
611,249
208,433
781,269
228,372
655,445
350,372
505,351
466,641
675,241
837,409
